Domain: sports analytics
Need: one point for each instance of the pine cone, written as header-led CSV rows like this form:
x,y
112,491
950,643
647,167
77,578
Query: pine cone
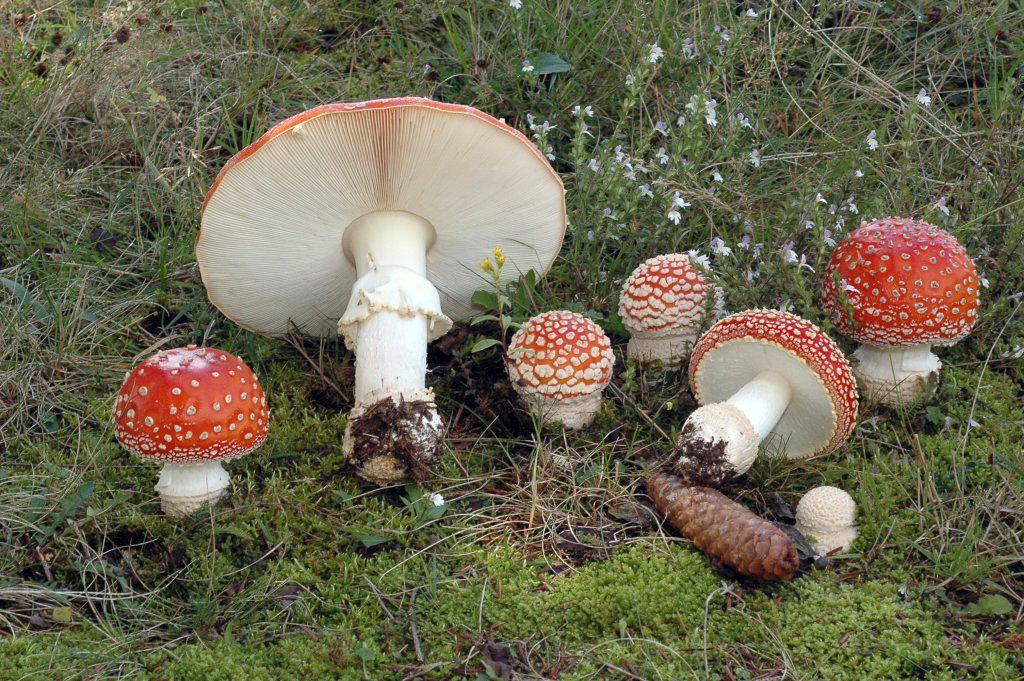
x,y
723,529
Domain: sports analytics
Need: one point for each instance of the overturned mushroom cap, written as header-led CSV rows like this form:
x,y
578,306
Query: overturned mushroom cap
x,y
560,355
826,515
190,405
665,293
823,408
274,250
906,282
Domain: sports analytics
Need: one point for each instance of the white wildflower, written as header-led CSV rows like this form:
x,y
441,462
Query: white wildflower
x,y
436,499
679,201
718,247
656,53
661,127
661,156
630,79
751,13
923,98
645,190
717,176
941,206
743,121
527,66
858,173
699,259
515,4
755,158
582,112
594,165
872,140
690,48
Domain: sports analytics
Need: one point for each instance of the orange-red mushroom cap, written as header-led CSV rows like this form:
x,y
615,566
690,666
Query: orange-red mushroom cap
x,y
560,355
823,408
664,292
906,282
190,405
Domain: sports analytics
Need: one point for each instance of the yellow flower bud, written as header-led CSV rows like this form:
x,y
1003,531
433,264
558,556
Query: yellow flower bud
x,y
486,265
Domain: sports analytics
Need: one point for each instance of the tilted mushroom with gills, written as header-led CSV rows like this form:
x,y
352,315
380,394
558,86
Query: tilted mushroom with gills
x,y
898,286
663,303
368,219
190,409
559,362
762,373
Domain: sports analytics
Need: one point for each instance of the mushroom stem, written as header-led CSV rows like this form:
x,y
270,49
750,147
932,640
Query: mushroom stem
x,y
762,401
896,376
183,488
720,440
394,311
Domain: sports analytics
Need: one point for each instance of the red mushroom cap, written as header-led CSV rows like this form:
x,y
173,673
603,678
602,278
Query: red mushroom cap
x,y
907,283
189,405
796,337
560,355
665,292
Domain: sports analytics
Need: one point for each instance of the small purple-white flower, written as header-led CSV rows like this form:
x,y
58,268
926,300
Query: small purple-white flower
x,y
923,98
718,247
661,156
436,499
941,206
655,54
527,66
755,158
872,140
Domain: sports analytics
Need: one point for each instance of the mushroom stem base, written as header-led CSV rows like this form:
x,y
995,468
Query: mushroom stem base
x,y
573,413
717,442
184,488
669,347
827,541
394,436
896,377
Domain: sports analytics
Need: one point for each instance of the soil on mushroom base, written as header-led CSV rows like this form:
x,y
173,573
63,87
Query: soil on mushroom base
x,y
397,430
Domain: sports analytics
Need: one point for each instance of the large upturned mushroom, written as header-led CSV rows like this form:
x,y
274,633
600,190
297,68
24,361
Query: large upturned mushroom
x,y
898,286
759,373
664,303
190,409
368,220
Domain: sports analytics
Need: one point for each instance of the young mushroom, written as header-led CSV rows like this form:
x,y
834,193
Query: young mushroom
x,y
825,515
559,362
663,303
898,286
367,220
190,409
759,373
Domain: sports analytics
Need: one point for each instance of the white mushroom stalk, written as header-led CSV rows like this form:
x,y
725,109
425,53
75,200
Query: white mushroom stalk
x,y
898,375
393,312
722,438
184,488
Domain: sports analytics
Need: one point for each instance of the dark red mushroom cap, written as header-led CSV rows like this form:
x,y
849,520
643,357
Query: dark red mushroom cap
x,y
190,405
906,282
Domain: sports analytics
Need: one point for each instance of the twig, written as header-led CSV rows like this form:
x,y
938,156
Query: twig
x,y
412,625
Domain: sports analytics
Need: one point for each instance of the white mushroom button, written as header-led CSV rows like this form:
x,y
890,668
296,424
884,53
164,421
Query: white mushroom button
x,y
562,383
370,224
764,375
826,516
664,303
174,391
898,286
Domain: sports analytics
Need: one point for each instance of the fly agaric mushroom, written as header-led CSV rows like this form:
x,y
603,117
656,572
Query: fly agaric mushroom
x,y
559,363
908,285
367,219
757,373
190,409
825,515
663,304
